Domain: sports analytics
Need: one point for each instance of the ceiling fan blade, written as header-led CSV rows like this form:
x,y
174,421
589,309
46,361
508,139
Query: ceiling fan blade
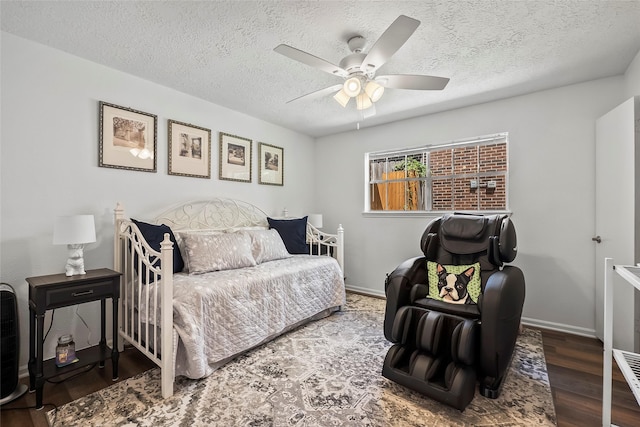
x,y
389,42
319,93
307,58
411,81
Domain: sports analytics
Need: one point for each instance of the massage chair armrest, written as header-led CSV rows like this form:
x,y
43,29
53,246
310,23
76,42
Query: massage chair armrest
x,y
501,310
398,288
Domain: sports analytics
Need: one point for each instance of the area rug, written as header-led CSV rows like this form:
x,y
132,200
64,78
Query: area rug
x,y
327,373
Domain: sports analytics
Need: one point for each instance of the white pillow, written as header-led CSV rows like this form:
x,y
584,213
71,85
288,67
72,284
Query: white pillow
x,y
179,235
213,252
267,245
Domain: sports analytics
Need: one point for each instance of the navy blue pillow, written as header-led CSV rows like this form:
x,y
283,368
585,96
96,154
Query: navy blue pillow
x,y
154,235
293,233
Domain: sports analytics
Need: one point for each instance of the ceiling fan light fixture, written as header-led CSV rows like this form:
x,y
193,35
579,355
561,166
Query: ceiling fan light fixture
x,y
369,112
374,90
342,97
363,101
352,86
359,69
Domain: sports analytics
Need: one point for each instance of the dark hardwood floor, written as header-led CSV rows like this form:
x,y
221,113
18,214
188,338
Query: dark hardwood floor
x,y
131,363
574,365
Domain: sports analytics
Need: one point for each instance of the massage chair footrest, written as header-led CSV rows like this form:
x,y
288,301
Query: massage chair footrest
x,y
434,354
458,394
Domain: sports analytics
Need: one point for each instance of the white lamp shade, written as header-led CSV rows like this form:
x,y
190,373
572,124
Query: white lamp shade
x,y
74,229
374,90
352,86
342,98
363,101
315,220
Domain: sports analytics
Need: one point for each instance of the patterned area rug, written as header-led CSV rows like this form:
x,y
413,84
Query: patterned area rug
x,y
327,373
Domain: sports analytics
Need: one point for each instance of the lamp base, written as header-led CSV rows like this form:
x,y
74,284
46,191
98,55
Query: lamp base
x,y
75,263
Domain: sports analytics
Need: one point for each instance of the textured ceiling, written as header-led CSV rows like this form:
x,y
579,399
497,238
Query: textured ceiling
x,y
222,51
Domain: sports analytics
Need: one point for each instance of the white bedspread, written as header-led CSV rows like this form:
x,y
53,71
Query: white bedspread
x,y
220,314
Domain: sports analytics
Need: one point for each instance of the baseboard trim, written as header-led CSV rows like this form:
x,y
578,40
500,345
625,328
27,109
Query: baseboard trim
x,y
543,324
559,327
365,291
23,371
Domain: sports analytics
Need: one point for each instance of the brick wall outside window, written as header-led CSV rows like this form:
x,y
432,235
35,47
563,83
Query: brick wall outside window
x,y
467,164
448,182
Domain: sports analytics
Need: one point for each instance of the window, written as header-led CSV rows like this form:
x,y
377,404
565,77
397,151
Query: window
x,y
466,175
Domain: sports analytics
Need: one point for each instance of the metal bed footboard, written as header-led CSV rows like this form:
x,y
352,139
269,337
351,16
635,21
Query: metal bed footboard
x,y
146,312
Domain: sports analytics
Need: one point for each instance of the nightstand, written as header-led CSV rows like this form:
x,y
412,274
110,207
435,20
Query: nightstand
x,y
55,291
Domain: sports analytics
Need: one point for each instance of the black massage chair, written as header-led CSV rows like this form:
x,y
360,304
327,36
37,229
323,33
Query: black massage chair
x,y
444,343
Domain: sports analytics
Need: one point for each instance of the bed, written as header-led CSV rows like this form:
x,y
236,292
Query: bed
x,y
226,299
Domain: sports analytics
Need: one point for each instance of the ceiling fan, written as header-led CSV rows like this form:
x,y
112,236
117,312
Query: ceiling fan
x,y
359,69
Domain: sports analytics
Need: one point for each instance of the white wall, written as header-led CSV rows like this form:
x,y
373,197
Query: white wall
x,y
551,191
632,78
49,166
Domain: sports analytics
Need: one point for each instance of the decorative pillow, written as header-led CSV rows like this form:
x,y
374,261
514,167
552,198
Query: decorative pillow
x,y
180,240
293,233
267,245
154,235
457,284
213,252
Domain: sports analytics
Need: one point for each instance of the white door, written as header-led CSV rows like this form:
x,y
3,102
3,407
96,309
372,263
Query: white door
x,y
615,214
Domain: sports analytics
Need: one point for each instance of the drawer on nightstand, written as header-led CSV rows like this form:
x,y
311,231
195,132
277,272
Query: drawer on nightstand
x,y
79,293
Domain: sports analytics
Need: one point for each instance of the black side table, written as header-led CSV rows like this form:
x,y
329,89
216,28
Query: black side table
x,y
58,290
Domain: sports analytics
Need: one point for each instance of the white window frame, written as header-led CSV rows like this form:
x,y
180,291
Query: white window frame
x,y
474,141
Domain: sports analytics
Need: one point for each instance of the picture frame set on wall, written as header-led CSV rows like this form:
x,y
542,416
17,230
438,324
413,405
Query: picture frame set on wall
x,y
271,159
235,158
189,150
128,140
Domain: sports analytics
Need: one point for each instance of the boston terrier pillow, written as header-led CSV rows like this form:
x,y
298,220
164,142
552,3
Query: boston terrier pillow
x,y
456,284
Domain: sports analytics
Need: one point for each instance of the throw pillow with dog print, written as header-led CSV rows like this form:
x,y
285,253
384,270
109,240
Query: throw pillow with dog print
x,y
456,284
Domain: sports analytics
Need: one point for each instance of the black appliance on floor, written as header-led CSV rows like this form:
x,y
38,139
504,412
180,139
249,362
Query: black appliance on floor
x,y
11,388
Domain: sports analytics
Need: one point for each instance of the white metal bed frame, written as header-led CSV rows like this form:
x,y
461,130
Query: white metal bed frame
x,y
139,264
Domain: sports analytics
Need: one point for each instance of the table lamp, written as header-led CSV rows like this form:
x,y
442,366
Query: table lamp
x,y
315,220
74,231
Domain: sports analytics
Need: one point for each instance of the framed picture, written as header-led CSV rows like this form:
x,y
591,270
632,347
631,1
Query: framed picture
x,y
189,150
235,158
127,138
271,160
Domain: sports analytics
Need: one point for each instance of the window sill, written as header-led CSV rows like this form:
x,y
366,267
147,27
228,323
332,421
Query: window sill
x,y
425,214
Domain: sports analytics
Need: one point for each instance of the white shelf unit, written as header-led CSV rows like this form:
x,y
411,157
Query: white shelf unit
x,y
629,363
